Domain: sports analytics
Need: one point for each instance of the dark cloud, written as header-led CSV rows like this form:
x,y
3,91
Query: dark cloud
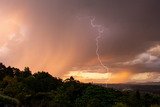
x,y
55,31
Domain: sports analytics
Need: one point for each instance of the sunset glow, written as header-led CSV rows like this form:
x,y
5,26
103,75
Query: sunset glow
x,y
96,42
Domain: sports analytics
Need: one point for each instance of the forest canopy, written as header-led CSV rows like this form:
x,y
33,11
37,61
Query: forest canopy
x,y
22,88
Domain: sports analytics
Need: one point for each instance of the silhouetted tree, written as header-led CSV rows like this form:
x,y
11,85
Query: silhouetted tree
x,y
43,90
45,82
26,72
16,72
9,71
2,71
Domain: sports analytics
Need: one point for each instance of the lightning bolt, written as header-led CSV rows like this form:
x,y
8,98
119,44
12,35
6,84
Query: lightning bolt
x,y
100,30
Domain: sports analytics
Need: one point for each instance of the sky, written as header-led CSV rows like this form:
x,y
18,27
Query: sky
x,y
101,41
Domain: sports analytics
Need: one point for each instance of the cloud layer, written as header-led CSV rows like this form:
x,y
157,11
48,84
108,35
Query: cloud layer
x,y
48,35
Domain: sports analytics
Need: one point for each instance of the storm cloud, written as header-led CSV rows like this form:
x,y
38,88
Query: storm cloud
x,y
59,37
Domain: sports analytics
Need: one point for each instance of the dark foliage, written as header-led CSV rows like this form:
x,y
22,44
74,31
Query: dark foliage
x,y
22,88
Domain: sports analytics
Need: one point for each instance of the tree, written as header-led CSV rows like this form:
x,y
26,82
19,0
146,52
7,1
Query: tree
x,y
147,100
9,80
26,72
2,71
9,71
16,72
96,95
45,82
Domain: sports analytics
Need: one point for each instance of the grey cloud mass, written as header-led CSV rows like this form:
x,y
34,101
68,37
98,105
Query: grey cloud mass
x,y
54,30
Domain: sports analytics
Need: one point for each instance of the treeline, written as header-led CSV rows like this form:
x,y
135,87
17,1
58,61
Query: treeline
x,y
24,89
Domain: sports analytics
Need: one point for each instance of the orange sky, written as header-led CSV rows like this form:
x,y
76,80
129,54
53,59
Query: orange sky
x,y
62,41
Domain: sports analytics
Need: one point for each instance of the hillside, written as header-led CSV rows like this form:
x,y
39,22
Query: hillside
x,y
22,88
